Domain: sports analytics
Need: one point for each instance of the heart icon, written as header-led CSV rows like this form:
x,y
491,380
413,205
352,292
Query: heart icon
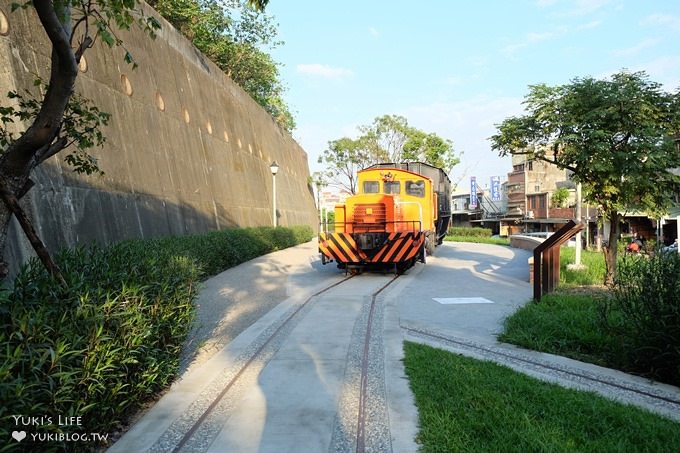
x,y
19,435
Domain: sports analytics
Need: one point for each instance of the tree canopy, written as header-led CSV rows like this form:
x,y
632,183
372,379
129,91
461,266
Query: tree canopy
x,y
560,197
619,137
388,139
59,119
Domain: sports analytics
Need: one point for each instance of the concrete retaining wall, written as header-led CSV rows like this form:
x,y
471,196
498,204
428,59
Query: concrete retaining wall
x,y
525,242
187,150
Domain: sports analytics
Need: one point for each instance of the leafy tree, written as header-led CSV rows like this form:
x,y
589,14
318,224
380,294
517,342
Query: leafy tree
x,y
430,148
344,157
391,139
388,139
559,197
59,119
233,34
385,138
618,136
316,182
328,216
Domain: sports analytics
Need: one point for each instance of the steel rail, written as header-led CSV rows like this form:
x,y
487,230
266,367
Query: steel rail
x,y
543,365
187,436
363,390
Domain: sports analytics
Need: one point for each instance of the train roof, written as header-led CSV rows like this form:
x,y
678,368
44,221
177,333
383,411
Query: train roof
x,y
436,174
402,170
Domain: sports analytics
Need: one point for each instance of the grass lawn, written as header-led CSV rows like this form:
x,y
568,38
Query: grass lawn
x,y
592,273
478,239
565,324
468,405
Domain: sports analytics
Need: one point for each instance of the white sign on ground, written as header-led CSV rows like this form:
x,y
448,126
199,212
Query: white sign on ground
x,y
462,300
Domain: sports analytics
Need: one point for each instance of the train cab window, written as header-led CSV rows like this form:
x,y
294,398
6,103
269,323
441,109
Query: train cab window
x,y
392,187
416,188
371,187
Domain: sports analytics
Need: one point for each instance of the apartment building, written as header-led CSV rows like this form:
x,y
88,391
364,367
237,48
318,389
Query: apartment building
x,y
526,207
530,187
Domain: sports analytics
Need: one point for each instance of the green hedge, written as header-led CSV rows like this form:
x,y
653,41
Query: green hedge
x,y
645,314
111,339
467,231
633,327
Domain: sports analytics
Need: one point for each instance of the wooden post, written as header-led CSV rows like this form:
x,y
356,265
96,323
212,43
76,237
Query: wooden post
x,y
547,259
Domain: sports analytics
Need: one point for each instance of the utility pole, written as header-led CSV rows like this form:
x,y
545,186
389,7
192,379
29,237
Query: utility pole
x,y
579,218
577,259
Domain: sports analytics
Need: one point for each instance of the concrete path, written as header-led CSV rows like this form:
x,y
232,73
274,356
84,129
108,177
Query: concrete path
x,y
459,303
299,392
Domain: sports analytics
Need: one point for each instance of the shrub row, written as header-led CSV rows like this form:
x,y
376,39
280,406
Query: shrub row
x,y
468,231
220,250
99,347
645,314
635,327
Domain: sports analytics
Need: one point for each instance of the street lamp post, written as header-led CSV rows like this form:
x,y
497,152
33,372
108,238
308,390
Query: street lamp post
x,y
318,203
274,167
579,217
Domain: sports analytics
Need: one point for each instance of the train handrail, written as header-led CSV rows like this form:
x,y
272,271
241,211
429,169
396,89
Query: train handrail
x,y
420,208
416,225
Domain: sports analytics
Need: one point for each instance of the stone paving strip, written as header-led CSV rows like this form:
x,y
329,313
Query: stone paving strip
x,y
653,396
376,438
198,426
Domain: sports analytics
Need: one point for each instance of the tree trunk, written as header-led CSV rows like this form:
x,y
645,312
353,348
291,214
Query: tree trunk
x,y
5,216
41,139
11,203
611,249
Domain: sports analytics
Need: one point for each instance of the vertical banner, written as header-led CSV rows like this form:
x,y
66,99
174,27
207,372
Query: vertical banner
x,y
473,192
495,188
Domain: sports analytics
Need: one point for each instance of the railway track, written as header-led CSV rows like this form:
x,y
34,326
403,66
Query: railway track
x,y
361,404
362,417
338,378
362,420
646,395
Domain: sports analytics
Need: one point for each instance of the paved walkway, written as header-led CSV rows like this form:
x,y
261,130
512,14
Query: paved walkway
x,y
298,395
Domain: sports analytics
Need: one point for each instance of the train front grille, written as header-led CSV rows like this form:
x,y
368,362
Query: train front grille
x,y
369,217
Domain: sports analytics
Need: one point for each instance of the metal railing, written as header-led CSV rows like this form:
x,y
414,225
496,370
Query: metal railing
x,y
375,227
546,267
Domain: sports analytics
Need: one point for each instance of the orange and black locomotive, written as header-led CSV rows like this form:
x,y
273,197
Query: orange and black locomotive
x,y
399,215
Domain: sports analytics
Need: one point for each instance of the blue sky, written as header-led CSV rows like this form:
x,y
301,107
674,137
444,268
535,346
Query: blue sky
x,y
457,68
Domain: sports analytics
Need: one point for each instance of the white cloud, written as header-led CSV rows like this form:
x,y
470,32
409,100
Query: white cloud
x,y
664,70
453,81
469,124
584,7
478,61
545,3
663,19
590,25
576,8
637,48
325,71
375,33
532,38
